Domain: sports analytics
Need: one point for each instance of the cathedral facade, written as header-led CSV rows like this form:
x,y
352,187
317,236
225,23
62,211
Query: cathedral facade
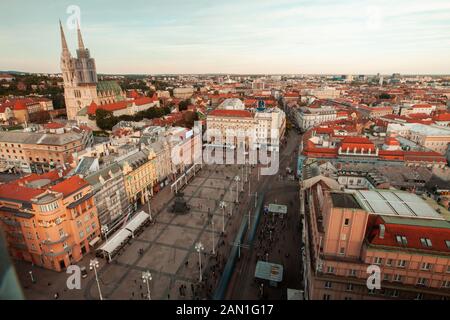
x,y
81,85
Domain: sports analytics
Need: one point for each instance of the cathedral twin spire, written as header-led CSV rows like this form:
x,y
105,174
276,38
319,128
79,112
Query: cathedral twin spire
x,y
64,42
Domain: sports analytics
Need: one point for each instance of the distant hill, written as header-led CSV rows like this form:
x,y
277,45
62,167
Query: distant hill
x,y
14,72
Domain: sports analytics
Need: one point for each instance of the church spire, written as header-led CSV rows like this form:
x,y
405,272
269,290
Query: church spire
x,y
80,38
63,38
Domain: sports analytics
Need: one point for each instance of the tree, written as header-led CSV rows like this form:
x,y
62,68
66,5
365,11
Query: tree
x,y
183,105
385,96
105,119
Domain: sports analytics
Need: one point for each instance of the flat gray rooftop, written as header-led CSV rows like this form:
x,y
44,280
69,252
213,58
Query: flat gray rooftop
x,y
397,203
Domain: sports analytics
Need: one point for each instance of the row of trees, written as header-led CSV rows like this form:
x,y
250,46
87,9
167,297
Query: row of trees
x,y
106,120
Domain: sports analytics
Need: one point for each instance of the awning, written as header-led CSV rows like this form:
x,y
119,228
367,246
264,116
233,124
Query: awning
x,y
294,294
277,208
116,241
137,221
94,241
269,271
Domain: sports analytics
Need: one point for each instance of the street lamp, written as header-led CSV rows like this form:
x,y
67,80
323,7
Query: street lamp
x,y
237,179
199,248
146,278
31,276
94,264
223,205
242,174
213,244
104,230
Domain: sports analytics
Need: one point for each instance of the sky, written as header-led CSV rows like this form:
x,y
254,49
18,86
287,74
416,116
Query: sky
x,y
232,36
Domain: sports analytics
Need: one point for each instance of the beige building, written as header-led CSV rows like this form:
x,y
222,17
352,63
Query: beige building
x,y
40,151
435,138
139,171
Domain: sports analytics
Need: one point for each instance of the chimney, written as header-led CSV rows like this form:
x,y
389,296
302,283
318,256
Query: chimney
x,y
382,231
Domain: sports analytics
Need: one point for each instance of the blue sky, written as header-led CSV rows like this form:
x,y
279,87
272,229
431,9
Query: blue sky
x,y
233,36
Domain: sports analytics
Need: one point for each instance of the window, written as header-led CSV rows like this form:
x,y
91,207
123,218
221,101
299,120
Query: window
x,y
377,260
447,242
419,296
421,281
65,246
342,251
328,284
397,278
326,297
389,262
353,273
349,287
426,266
425,242
81,234
401,240
79,224
401,263
446,284
88,229
395,293
386,277
347,222
330,269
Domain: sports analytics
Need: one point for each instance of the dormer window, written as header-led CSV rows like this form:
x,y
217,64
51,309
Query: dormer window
x,y
426,242
401,240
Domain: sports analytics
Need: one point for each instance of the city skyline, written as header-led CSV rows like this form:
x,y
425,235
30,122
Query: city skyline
x,y
262,37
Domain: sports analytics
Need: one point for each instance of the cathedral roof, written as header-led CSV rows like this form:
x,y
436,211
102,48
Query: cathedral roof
x,y
109,86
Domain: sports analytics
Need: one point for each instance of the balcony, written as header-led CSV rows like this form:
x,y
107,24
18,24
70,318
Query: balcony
x,y
51,242
55,254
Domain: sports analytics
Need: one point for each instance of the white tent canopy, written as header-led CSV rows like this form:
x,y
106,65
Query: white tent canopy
x,y
116,241
137,221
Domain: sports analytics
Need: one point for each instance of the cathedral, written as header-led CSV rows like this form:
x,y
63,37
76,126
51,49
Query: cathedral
x,y
81,85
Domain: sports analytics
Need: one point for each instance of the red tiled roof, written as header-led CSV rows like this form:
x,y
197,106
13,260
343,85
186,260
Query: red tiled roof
x,y
413,234
51,175
390,141
357,142
70,185
12,191
20,105
231,113
92,108
442,117
145,100
53,125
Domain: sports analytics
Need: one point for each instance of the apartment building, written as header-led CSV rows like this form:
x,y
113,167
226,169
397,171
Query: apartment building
x,y
139,172
307,117
40,151
110,197
49,221
346,232
435,138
